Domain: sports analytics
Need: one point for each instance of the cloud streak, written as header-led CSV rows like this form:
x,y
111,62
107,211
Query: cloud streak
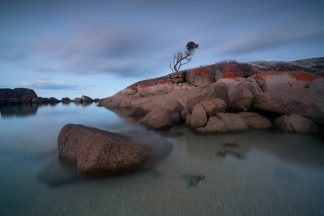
x,y
50,85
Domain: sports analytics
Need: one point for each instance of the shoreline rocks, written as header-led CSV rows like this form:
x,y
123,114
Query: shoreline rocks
x,y
227,96
16,96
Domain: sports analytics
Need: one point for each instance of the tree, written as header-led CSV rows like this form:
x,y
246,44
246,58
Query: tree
x,y
182,58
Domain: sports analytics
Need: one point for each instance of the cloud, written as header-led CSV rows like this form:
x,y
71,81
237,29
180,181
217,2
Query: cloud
x,y
50,85
272,37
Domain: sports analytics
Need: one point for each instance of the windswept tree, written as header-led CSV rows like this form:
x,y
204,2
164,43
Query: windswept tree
x,y
182,58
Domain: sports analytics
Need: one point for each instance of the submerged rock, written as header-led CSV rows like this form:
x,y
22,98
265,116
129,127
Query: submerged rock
x,y
192,180
94,151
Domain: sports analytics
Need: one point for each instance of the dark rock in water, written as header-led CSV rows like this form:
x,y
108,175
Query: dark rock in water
x,y
21,110
97,152
53,100
16,95
86,99
66,100
96,100
77,100
192,180
46,100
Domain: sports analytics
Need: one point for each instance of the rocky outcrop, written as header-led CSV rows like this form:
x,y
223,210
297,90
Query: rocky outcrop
x,y
94,151
16,96
296,123
225,97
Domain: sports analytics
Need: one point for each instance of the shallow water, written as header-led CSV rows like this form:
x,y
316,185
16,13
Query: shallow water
x,y
266,173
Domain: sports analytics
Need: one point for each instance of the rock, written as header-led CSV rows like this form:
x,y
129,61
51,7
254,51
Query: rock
x,y
138,112
198,116
86,99
232,70
201,77
53,100
96,100
241,98
66,100
296,123
255,120
46,101
240,93
233,121
214,106
16,95
94,151
158,118
317,84
216,90
285,100
269,80
214,125
77,100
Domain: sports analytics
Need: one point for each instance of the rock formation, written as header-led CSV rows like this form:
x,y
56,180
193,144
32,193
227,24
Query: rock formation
x,y
16,96
94,151
227,96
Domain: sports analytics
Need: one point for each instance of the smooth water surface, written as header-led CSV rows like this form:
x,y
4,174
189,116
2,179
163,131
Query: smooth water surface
x,y
252,173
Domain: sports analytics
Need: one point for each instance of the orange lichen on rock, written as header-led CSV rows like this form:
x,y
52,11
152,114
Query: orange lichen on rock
x,y
297,75
205,72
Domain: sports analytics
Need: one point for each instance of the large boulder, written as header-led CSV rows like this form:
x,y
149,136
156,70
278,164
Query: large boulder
x,y
269,80
255,120
214,125
296,123
94,151
158,118
16,95
214,106
233,121
286,100
224,122
198,116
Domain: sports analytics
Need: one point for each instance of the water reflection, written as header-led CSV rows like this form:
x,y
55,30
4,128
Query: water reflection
x,y
288,147
18,110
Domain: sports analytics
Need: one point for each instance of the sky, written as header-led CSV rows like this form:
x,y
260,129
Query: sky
x,y
71,48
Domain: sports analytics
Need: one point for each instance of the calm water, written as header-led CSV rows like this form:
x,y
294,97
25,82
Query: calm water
x,y
267,173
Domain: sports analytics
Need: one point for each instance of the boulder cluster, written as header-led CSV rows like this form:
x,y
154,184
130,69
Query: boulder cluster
x,y
230,96
23,96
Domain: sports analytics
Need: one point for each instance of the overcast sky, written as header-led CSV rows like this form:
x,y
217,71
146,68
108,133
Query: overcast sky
x,y
68,48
